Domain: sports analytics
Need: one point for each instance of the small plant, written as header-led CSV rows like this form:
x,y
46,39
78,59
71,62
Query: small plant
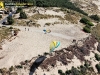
x,y
0,16
48,24
97,57
46,53
90,23
19,66
98,68
11,68
60,71
10,27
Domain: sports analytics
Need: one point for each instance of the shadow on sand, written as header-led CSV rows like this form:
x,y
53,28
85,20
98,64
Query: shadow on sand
x,y
36,64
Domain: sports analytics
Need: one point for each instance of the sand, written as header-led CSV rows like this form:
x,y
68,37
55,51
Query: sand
x,y
28,44
97,3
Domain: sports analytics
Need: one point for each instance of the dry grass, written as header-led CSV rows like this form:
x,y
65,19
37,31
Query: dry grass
x,y
71,18
5,33
96,31
41,16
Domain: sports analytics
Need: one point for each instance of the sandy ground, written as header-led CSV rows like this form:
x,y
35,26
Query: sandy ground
x,y
97,3
31,43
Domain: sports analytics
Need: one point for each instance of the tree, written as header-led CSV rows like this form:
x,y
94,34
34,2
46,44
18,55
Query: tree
x,y
10,20
23,15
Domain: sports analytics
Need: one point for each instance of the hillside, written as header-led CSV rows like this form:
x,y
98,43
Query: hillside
x,y
78,33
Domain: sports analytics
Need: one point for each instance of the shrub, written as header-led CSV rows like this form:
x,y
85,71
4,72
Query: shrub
x,y
87,64
10,27
48,24
23,15
97,57
11,68
68,72
19,9
0,16
95,17
84,20
10,20
90,23
60,71
86,29
19,66
98,68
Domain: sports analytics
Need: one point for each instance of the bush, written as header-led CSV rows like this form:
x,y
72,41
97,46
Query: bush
x,y
10,27
19,9
48,24
87,64
95,17
86,29
23,15
98,68
0,16
60,71
84,20
19,66
97,57
68,72
90,23
10,20
11,68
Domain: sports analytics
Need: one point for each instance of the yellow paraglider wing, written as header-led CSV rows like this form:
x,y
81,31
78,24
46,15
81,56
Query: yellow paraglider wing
x,y
53,45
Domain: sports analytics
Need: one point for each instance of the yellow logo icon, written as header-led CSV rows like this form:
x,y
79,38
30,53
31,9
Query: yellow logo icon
x,y
1,5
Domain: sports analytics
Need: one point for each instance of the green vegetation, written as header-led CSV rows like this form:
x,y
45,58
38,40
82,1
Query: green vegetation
x,y
23,15
11,68
19,66
85,69
19,9
97,56
98,68
88,24
58,3
10,20
95,17
86,21
0,16
86,29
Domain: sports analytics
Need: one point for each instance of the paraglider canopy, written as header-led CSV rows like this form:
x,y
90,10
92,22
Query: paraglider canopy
x,y
36,63
53,45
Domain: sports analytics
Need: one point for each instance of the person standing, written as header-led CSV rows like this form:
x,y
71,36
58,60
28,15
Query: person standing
x,y
25,29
